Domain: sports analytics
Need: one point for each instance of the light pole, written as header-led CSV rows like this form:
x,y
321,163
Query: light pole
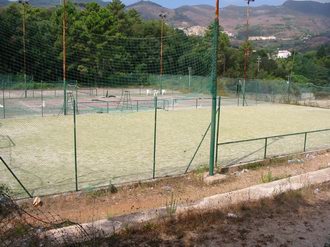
x,y
24,4
64,56
246,49
214,89
162,17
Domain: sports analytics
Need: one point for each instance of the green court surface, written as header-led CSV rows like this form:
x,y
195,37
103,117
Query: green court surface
x,y
118,147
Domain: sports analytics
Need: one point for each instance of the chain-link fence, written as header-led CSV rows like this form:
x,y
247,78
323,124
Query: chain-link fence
x,y
60,153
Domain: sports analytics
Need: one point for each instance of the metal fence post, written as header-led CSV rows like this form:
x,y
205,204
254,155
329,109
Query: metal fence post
x,y
137,106
75,144
218,131
214,89
196,103
107,106
64,97
42,100
305,141
16,178
8,80
3,99
155,140
257,91
265,153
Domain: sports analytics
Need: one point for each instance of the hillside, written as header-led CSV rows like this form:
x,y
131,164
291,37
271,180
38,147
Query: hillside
x,y
291,20
52,3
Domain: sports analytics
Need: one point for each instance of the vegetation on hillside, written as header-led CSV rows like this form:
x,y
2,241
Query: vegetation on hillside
x,y
107,43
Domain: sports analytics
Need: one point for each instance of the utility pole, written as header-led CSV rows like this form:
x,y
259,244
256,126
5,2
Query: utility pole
x,y
162,17
24,4
64,56
258,61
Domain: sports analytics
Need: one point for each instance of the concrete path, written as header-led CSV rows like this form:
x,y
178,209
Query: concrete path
x,y
83,232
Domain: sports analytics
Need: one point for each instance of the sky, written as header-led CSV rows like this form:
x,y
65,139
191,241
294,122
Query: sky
x,y
223,3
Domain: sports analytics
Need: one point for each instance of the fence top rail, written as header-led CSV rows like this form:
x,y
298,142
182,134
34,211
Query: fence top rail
x,y
275,136
144,100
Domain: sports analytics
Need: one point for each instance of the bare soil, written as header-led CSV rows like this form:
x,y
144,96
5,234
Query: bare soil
x,y
297,218
94,205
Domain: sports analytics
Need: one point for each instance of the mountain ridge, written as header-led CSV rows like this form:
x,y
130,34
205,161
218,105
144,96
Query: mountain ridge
x,y
292,19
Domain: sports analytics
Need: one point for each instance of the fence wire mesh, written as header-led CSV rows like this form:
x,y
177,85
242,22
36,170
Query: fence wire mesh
x,y
33,227
119,138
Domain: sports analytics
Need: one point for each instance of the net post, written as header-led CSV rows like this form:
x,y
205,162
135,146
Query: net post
x,y
75,144
155,140
214,90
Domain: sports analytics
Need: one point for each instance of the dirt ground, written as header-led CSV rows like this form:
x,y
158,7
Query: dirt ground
x,y
297,218
102,204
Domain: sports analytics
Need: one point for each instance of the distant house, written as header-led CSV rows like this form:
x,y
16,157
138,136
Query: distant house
x,y
255,38
230,35
194,30
283,54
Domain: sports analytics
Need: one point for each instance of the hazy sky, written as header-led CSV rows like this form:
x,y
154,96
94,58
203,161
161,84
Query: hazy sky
x,y
223,3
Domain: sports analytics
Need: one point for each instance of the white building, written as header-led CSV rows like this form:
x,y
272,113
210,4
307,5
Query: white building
x,y
254,38
230,35
283,54
194,30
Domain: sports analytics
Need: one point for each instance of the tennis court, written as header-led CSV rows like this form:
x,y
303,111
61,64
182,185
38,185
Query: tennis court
x,y
118,147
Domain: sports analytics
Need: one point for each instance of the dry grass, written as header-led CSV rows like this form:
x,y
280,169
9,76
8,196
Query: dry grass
x,y
295,218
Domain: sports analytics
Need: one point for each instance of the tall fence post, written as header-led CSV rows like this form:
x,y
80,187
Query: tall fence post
x,y
3,99
214,89
218,131
155,139
8,81
257,91
75,144
305,141
265,151
64,98
42,100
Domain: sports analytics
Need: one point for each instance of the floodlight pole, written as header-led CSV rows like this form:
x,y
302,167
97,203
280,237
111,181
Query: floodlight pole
x,y
64,57
214,90
163,17
246,49
24,4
